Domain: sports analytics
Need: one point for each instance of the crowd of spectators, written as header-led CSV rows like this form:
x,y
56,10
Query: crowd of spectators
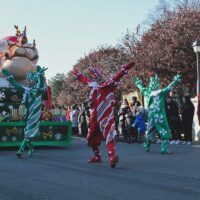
x,y
131,119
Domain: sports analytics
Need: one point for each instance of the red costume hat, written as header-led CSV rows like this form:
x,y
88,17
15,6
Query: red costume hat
x,y
95,72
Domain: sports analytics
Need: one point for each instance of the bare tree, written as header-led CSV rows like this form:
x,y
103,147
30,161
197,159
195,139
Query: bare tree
x,y
166,47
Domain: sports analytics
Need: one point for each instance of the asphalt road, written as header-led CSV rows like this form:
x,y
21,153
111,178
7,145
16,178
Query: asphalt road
x,y
64,174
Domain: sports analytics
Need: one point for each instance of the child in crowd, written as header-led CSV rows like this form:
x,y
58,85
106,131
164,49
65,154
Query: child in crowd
x,y
139,124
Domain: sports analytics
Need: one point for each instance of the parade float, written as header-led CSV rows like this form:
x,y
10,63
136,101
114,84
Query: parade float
x,y
19,57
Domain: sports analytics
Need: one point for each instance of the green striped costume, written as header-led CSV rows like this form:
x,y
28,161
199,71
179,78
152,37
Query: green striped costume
x,y
33,116
33,102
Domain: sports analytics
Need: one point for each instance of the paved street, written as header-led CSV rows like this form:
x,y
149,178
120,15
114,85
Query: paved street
x,y
63,173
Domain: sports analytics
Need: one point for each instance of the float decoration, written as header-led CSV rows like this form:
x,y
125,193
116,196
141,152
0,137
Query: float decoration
x,y
20,80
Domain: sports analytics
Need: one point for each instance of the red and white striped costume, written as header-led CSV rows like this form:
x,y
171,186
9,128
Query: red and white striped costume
x,y
102,122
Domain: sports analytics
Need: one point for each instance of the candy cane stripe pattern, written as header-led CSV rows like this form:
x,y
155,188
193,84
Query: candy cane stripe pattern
x,y
32,98
32,126
102,123
104,105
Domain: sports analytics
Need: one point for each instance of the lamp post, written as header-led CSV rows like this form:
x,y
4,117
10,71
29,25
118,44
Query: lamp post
x,y
196,47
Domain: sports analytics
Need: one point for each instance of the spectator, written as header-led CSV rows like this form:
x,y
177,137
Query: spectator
x,y
187,119
68,113
139,124
128,127
74,119
124,109
116,111
134,104
83,119
173,117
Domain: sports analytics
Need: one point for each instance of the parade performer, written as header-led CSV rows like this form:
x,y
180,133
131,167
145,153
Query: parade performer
x,y
157,120
102,122
32,98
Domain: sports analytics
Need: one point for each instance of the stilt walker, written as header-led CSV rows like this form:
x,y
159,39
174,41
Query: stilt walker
x,y
32,99
102,123
157,120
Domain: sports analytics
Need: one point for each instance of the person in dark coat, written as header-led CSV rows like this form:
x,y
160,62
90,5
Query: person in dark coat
x,y
173,117
83,119
187,118
124,109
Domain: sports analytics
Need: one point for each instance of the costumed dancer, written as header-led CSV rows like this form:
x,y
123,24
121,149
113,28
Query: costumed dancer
x,y
157,120
102,122
32,98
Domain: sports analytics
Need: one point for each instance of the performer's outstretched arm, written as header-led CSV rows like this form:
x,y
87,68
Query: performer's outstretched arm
x,y
83,79
175,81
11,80
139,84
40,85
123,71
